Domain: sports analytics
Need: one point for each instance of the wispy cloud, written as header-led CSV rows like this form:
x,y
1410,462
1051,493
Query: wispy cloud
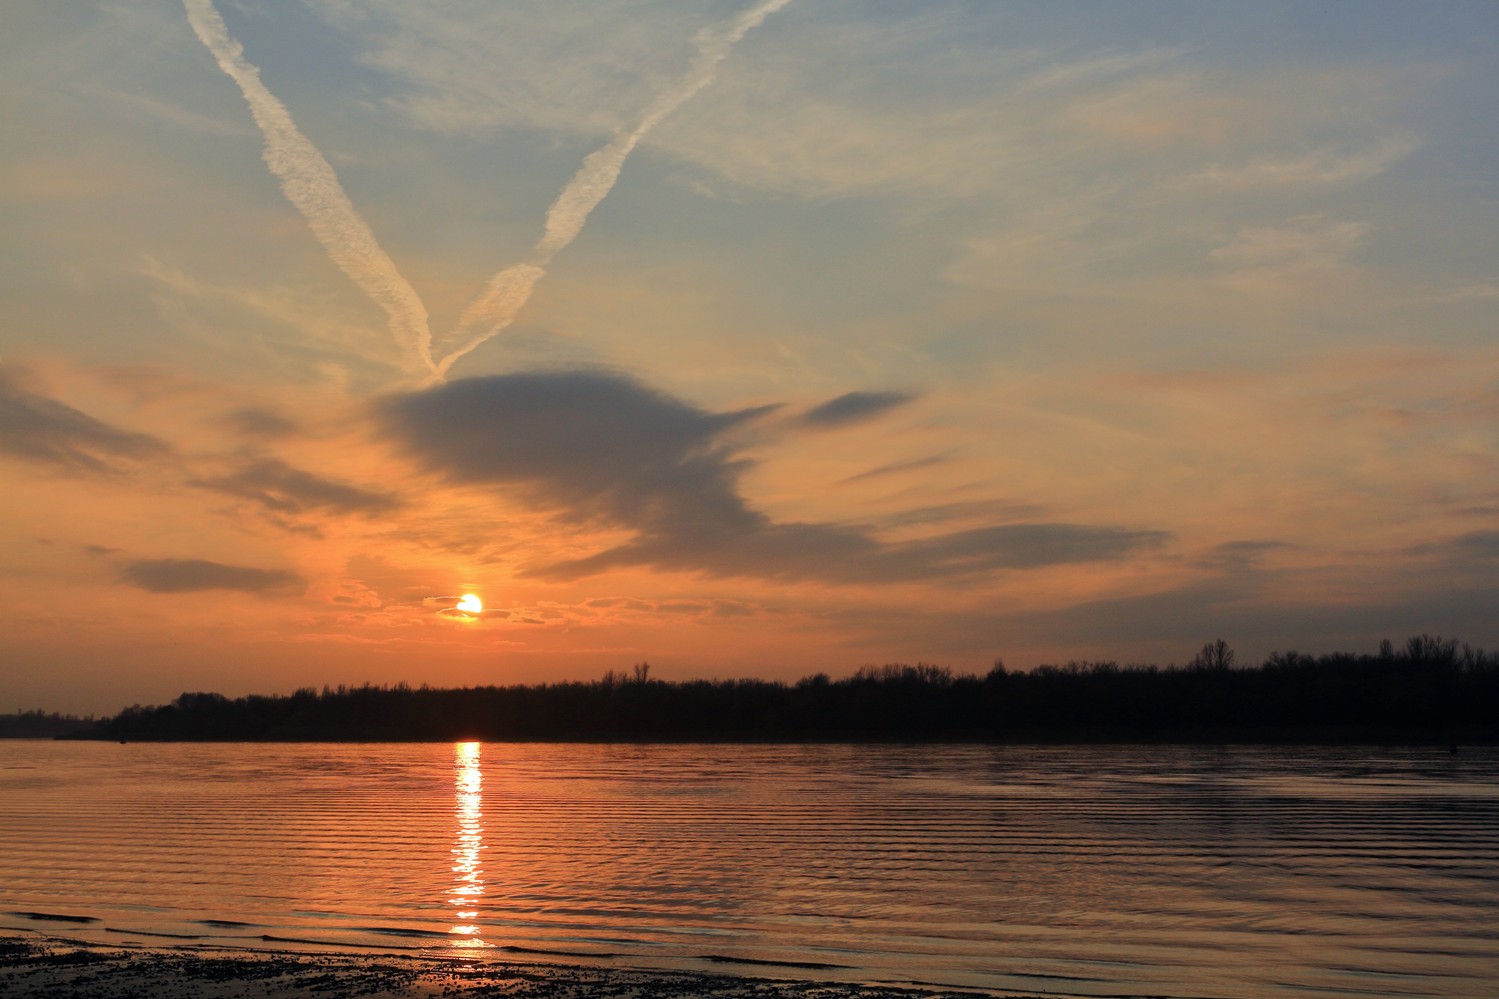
x,y
1321,166
852,407
283,488
898,468
1307,241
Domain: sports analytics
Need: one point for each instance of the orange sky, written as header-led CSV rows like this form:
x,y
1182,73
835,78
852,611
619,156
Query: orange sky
x,y
750,339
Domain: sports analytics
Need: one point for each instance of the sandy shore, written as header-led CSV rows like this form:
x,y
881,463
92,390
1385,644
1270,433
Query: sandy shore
x,y
60,969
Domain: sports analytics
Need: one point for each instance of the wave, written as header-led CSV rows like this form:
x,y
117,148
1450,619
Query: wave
x,y
57,917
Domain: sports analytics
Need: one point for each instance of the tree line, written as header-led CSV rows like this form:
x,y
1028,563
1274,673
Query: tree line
x,y
42,725
1428,691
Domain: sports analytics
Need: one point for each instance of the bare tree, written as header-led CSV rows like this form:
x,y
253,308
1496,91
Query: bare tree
x,y
1214,655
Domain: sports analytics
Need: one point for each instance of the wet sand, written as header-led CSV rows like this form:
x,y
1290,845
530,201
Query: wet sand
x,y
61,969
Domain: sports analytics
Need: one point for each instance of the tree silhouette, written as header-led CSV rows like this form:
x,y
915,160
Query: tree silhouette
x,y
1429,690
1214,655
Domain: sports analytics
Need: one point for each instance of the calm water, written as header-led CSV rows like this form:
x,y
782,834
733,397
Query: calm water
x,y
1084,871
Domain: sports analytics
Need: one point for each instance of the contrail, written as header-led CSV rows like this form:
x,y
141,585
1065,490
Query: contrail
x,y
309,183
509,290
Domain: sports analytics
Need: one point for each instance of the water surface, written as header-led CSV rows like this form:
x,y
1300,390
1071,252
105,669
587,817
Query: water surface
x,y
1085,871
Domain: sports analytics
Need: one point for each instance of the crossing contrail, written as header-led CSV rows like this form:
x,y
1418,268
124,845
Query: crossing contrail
x,y
509,290
309,183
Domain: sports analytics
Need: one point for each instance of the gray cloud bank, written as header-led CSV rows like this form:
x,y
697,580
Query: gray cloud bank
x,y
282,488
40,429
171,575
853,407
600,447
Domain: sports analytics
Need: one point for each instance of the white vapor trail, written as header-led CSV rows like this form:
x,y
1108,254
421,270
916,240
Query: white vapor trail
x,y
508,291
309,183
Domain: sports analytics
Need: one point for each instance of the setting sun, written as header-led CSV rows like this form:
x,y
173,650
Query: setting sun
x,y
978,496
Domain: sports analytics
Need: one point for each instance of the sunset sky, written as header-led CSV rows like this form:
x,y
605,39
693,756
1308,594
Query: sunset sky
x,y
746,337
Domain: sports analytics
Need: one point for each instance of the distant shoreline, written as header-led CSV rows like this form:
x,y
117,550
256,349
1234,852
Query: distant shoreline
x,y
1429,692
66,969
1445,742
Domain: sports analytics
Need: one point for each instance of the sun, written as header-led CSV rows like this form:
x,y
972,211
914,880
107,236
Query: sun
x,y
470,603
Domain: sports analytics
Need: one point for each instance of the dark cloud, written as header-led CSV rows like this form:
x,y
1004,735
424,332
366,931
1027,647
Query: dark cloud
x,y
627,603
256,421
846,555
1021,546
600,446
733,608
1249,610
37,428
171,575
683,607
853,407
594,443
897,467
1482,545
282,488
990,510
1239,555
1257,612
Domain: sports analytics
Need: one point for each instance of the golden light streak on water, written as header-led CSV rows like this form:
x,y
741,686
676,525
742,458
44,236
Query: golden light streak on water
x,y
468,844
1233,872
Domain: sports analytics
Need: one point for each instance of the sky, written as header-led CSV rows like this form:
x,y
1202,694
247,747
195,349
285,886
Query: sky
x,y
743,337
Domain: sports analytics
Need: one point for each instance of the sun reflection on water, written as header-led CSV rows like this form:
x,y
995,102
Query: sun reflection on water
x,y
468,845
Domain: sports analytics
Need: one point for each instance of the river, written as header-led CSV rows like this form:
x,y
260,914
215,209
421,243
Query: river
x,y
1067,870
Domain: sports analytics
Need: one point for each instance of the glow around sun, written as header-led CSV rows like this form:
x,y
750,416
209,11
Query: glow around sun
x,y
470,603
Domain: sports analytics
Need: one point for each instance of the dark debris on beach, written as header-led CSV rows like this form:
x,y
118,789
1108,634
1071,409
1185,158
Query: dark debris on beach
x,y
66,970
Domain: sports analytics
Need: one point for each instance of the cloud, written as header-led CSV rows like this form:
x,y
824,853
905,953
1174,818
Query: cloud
x,y
1483,544
1302,243
1477,291
1474,545
899,467
969,510
170,575
508,291
309,183
853,407
1239,555
838,554
1020,546
1321,166
282,488
598,446
255,421
1249,608
41,429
